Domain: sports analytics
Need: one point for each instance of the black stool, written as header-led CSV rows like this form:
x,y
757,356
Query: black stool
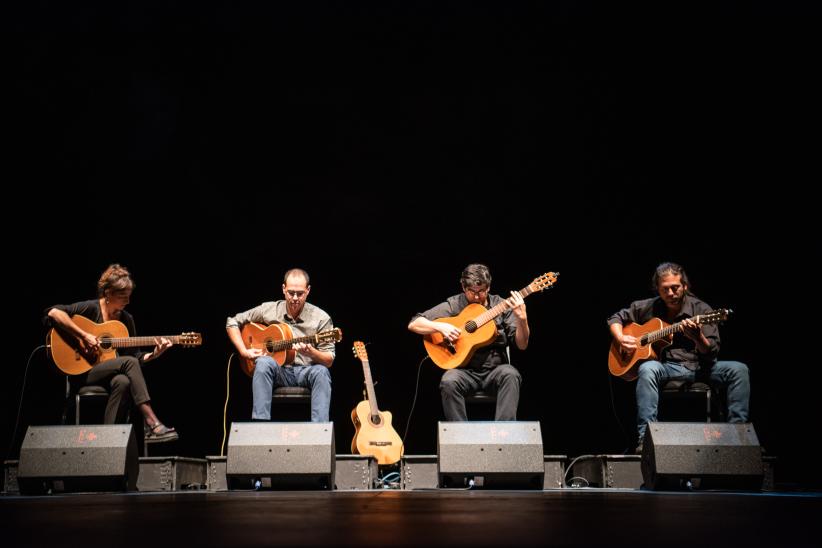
x,y
87,392
481,397
678,391
291,395
486,404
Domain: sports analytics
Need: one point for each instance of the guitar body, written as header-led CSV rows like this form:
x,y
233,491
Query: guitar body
x,y
625,365
375,438
259,336
466,344
68,354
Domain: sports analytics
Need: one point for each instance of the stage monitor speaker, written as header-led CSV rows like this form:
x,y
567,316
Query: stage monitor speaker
x,y
78,458
490,454
285,455
712,455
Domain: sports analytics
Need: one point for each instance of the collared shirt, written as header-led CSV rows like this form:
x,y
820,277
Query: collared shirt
x,y
312,320
489,356
682,350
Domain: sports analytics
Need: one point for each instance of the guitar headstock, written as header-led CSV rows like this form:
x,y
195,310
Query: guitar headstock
x,y
715,316
335,335
543,282
359,351
190,339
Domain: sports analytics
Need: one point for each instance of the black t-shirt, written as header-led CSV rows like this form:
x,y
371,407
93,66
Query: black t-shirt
x,y
91,311
489,356
682,350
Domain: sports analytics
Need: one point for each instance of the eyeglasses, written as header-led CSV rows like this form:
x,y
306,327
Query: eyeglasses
x,y
476,292
292,293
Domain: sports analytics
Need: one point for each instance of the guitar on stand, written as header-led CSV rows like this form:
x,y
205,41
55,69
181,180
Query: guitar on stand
x,y
652,337
373,434
478,328
277,340
72,358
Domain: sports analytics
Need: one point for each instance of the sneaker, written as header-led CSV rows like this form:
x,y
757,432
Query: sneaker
x,y
638,450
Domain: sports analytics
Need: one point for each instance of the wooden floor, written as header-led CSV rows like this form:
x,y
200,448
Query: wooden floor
x,y
567,517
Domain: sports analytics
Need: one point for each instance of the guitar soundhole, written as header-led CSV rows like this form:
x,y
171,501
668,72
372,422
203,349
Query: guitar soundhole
x,y
375,419
269,345
104,343
471,326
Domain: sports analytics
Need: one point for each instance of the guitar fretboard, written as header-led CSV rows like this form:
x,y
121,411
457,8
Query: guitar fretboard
x,y
131,342
493,312
654,336
369,388
288,343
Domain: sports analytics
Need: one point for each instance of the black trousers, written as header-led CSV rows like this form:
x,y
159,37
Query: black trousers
x,y
123,378
503,380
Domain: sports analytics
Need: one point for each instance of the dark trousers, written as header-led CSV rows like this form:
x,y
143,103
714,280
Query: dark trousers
x,y
503,381
123,378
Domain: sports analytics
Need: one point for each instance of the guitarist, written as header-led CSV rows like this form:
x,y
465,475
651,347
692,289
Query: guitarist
x,y
488,370
692,353
311,365
121,376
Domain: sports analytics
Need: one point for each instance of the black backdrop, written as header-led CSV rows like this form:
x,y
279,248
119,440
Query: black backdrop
x,y
209,148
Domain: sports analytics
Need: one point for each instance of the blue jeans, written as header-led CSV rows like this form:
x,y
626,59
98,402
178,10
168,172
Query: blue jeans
x,y
268,374
653,374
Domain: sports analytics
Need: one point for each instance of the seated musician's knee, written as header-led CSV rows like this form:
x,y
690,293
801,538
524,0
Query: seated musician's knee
x,y
120,383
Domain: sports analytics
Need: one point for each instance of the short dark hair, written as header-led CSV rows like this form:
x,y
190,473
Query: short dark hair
x,y
475,274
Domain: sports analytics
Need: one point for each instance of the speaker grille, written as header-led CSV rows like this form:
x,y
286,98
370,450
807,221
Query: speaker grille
x,y
86,457
723,454
299,451
504,453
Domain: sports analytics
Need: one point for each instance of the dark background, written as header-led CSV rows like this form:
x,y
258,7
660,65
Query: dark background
x,y
382,147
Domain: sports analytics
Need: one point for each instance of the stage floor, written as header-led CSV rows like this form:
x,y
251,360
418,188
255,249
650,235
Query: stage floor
x,y
562,517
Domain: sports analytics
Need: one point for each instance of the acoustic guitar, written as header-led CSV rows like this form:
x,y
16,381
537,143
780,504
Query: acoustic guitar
x,y
373,433
477,327
652,337
276,340
72,359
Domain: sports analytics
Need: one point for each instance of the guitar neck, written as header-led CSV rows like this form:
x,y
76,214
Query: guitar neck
x,y
288,343
654,336
133,342
369,388
495,311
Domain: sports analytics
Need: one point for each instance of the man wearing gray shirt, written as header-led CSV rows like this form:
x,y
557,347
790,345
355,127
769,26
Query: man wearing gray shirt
x,y
310,367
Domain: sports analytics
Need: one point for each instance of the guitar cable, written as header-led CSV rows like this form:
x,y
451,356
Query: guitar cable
x,y
389,481
22,394
414,401
565,479
225,406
